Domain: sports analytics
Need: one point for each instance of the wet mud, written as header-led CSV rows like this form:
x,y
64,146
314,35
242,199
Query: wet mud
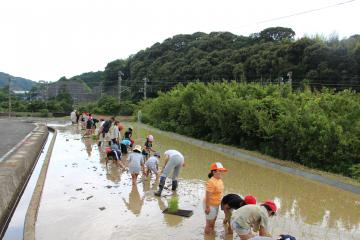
x,y
85,199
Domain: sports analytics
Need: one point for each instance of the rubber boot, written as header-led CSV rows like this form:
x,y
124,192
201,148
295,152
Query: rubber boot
x,y
174,185
161,186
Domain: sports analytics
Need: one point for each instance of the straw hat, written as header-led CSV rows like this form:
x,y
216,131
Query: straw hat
x,y
137,148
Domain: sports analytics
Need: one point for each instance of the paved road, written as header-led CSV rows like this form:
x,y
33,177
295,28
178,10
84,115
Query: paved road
x,y
12,132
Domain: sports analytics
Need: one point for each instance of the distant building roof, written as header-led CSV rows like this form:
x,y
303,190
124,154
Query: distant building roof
x,y
20,92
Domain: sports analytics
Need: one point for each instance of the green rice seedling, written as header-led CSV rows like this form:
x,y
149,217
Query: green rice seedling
x,y
173,204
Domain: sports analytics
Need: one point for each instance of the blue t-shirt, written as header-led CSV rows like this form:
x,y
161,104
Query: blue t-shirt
x,y
126,142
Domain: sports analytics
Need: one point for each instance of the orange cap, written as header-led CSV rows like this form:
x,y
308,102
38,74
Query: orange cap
x,y
217,166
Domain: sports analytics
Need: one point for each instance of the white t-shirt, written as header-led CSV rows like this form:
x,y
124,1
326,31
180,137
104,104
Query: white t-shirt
x,y
152,162
252,216
115,132
73,116
171,153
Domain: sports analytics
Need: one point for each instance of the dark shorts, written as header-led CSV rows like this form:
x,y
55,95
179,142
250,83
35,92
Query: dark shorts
x,y
145,153
116,155
123,149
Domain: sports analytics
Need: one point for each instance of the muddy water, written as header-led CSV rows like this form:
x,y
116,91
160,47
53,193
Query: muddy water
x,y
84,199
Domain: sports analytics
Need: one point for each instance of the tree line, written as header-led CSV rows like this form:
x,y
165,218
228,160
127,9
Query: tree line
x,y
29,103
268,56
319,129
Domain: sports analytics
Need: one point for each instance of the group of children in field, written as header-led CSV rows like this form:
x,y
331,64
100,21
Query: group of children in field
x,y
242,215
139,160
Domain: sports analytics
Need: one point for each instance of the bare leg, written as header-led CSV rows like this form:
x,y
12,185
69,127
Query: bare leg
x,y
210,226
134,178
120,164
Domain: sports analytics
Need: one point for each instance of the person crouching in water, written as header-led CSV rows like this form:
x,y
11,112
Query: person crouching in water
x,y
125,146
135,163
253,217
232,202
213,195
174,160
152,165
114,153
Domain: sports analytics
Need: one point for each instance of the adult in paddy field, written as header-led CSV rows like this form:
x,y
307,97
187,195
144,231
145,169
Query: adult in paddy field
x,y
73,117
174,160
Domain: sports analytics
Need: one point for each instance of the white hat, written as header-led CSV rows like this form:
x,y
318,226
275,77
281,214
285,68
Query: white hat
x,y
138,148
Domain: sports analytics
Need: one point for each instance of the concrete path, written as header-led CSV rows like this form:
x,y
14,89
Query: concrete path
x,y
16,167
12,131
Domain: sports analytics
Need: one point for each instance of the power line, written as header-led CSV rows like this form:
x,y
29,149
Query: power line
x,y
300,13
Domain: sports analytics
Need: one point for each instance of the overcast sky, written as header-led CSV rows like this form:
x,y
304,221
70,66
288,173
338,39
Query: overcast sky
x,y
48,39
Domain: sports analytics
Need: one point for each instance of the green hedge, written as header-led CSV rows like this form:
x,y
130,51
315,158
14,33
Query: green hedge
x,y
318,129
109,105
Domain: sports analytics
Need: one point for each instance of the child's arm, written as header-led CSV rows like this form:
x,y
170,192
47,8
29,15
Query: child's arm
x,y
207,200
166,160
209,189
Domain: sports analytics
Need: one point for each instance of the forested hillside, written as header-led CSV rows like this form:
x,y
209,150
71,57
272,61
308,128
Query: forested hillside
x,y
92,79
267,56
17,83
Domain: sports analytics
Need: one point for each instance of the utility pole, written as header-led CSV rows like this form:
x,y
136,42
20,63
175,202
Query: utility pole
x,y
9,97
145,85
120,74
290,78
47,93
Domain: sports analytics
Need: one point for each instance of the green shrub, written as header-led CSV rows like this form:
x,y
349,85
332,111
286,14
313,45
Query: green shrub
x,y
355,171
44,113
127,108
319,129
108,105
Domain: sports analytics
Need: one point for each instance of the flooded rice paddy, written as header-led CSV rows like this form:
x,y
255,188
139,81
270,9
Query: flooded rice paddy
x,y
84,199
